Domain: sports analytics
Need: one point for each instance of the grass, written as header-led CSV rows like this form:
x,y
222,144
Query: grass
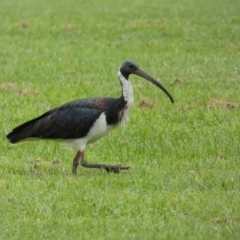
x,y
184,158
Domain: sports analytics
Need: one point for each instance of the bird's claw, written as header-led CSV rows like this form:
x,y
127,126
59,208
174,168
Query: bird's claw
x,y
115,169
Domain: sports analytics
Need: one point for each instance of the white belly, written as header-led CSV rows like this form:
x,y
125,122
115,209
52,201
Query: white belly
x,y
98,130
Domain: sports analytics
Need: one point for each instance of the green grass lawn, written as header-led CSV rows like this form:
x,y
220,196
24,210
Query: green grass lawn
x,y
184,181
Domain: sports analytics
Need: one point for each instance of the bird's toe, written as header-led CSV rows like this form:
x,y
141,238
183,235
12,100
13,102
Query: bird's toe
x,y
115,169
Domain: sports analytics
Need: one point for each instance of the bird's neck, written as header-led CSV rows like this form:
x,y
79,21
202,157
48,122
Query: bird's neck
x,y
119,108
127,91
126,99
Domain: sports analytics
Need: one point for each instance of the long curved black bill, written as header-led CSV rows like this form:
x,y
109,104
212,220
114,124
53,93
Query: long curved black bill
x,y
143,74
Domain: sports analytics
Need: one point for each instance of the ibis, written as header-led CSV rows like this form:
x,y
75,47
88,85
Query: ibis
x,y
84,121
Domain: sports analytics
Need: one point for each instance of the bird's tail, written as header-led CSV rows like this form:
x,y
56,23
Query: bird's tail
x,y
28,129
22,132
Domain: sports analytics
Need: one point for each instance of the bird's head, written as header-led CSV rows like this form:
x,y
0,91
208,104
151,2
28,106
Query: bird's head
x,y
130,67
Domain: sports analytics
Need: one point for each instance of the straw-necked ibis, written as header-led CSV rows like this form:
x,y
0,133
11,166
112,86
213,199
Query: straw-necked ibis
x,y
84,121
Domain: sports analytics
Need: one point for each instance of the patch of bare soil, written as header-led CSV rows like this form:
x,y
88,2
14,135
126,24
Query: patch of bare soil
x,y
26,91
218,103
146,103
22,25
178,81
38,162
7,87
69,27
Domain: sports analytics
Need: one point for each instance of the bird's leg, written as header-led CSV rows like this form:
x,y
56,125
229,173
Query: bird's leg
x,y
76,163
84,163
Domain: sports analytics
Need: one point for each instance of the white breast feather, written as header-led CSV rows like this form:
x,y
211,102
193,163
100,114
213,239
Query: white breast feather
x,y
98,130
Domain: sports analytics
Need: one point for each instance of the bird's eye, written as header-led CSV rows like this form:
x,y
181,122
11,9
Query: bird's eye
x,y
131,66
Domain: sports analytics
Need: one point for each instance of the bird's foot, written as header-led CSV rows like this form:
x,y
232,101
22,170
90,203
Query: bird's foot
x,y
115,169
108,168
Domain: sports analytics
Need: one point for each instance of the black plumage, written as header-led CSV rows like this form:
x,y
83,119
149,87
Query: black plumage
x,y
78,122
69,121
